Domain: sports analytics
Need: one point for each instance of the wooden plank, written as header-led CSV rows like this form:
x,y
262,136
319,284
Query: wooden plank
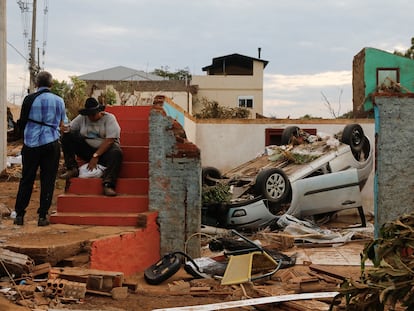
x,y
330,272
252,302
305,306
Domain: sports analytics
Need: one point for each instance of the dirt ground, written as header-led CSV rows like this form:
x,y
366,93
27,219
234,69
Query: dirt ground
x,y
147,297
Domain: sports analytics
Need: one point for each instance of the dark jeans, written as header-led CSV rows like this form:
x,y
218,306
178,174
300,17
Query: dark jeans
x,y
73,144
46,158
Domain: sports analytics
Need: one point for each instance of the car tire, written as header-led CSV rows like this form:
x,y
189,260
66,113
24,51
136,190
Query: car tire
x,y
162,270
208,172
353,135
272,184
288,133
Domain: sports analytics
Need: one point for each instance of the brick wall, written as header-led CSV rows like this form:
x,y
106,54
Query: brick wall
x,y
175,184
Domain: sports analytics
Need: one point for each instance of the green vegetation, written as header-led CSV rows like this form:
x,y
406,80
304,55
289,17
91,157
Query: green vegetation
x,y
179,74
109,97
212,110
220,193
390,281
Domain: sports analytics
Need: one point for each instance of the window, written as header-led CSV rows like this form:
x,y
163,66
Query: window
x,y
387,77
246,101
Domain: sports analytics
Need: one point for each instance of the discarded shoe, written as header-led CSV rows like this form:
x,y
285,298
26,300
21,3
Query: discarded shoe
x,y
109,192
18,221
42,222
74,172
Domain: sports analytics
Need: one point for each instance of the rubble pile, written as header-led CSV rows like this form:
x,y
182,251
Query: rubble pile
x,y
30,285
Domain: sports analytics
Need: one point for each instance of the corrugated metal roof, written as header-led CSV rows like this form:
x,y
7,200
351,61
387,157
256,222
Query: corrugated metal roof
x,y
120,73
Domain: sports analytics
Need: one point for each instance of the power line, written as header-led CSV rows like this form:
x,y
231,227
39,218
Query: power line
x,y
17,51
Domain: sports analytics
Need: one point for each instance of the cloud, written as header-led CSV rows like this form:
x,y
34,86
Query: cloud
x,y
308,94
317,80
18,80
106,31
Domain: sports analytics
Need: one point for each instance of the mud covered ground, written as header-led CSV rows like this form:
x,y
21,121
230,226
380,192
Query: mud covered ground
x,y
147,297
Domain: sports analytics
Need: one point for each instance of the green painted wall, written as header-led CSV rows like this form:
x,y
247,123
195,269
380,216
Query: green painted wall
x,y
374,59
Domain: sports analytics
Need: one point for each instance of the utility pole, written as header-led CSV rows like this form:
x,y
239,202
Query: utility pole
x,y
33,67
3,86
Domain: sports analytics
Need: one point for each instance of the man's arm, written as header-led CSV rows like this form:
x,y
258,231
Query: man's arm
x,y
106,144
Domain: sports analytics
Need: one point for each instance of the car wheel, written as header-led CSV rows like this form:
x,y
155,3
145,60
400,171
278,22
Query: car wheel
x,y
353,135
273,185
288,133
163,269
209,173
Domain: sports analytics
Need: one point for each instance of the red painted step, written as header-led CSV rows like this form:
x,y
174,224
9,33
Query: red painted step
x,y
94,186
134,138
129,112
72,203
135,153
134,125
103,219
134,170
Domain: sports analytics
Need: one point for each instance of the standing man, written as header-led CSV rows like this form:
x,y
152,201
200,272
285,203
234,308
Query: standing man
x,y
41,148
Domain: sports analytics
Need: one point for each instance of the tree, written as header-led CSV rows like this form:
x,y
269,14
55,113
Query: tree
x,y
334,114
408,53
179,74
73,94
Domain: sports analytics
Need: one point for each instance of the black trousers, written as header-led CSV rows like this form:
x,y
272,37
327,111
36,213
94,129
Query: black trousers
x,y
73,144
46,158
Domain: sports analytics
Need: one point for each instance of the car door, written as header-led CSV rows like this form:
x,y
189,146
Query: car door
x,y
325,193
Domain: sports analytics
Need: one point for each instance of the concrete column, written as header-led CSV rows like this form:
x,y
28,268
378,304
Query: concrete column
x,y
394,182
3,86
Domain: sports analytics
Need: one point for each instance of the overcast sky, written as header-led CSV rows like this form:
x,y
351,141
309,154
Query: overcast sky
x,y
310,44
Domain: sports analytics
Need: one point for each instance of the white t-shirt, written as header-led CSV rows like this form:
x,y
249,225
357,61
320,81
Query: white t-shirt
x,y
96,132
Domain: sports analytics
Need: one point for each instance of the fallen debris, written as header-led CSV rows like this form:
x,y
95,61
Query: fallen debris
x,y
97,281
252,302
14,263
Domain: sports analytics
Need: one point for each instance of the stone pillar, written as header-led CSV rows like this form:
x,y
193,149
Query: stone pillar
x,y
174,185
394,169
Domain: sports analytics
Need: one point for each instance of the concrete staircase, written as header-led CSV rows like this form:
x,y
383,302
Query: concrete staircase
x,y
83,203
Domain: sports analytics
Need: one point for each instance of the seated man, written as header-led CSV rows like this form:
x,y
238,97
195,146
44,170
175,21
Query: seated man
x,y
94,137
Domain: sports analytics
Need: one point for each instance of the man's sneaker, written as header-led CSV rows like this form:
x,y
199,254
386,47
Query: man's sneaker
x,y
73,172
108,191
18,221
42,222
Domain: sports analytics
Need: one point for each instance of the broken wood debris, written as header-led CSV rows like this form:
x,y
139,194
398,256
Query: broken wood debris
x,y
37,270
15,263
305,282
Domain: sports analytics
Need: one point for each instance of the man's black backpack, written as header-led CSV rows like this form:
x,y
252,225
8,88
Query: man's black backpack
x,y
24,114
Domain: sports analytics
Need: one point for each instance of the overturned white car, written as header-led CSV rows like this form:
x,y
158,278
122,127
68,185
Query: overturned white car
x,y
306,176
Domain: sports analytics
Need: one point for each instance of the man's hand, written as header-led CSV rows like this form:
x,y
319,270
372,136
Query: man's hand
x,y
93,163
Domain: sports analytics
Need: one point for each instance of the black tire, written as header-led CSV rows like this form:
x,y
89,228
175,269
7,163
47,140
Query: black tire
x,y
273,185
210,172
353,135
162,270
363,154
288,133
